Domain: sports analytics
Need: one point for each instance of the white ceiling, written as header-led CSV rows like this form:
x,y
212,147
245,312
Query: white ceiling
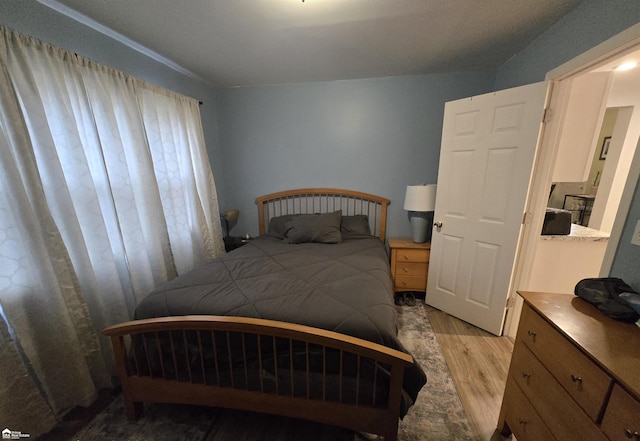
x,y
252,42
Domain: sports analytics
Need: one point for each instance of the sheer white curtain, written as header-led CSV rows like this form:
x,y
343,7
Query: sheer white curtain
x,y
106,191
177,146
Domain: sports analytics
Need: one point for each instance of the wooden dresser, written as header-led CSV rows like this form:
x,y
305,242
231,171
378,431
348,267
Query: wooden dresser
x,y
574,375
409,264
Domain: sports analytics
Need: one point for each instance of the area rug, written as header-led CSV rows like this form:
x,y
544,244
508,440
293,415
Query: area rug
x,y
438,414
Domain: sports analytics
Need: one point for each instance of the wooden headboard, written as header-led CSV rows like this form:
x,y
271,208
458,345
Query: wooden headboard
x,y
324,200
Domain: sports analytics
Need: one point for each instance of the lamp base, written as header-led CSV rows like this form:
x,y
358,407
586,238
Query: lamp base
x,y
419,228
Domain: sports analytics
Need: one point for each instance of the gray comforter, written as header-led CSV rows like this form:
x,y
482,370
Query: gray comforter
x,y
343,287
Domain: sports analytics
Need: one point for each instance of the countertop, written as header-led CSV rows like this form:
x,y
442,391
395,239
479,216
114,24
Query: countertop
x,y
579,233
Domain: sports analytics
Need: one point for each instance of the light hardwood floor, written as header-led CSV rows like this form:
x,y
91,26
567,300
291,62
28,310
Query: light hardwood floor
x,y
479,363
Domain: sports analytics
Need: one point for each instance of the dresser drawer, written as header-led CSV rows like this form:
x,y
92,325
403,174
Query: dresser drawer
x,y
562,415
521,417
411,283
622,417
411,269
582,379
406,255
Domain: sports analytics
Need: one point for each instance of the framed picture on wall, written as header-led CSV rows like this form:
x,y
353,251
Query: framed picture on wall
x,y
605,147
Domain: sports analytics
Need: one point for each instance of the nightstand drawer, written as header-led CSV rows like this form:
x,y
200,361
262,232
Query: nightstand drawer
x,y
411,269
413,255
562,414
409,264
583,380
410,283
622,417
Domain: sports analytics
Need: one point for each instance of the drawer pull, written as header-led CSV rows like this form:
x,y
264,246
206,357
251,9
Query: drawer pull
x,y
531,333
576,379
405,269
404,283
523,421
405,257
631,434
526,374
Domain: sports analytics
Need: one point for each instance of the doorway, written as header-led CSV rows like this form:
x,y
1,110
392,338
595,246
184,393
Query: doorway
x,y
620,172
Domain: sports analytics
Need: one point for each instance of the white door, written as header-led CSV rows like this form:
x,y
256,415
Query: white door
x,y
488,149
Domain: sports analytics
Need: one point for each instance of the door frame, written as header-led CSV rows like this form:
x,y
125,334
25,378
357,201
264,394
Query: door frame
x,y
560,79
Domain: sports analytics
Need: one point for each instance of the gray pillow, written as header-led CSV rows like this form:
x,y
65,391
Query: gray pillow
x,y
355,225
277,225
323,228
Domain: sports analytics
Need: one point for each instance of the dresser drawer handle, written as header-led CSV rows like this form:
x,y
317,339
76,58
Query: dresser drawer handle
x,y
526,374
405,257
576,379
522,421
632,434
405,269
531,333
404,283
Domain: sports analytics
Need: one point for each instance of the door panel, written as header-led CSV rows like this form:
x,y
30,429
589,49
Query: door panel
x,y
457,188
449,260
486,160
482,273
495,198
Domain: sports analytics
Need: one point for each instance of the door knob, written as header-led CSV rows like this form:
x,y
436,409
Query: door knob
x,y
437,224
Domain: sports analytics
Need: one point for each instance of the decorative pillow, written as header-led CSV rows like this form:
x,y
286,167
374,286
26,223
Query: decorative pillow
x,y
355,225
323,228
277,225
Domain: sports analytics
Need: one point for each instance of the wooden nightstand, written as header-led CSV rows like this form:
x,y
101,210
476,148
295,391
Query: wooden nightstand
x,y
409,264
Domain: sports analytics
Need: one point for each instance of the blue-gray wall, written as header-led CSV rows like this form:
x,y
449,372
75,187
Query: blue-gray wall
x,y
591,23
588,25
374,135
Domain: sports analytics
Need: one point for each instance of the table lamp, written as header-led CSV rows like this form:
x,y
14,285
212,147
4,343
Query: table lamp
x,y
419,200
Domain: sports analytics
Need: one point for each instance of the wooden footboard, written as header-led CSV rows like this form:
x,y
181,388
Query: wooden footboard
x,y
262,366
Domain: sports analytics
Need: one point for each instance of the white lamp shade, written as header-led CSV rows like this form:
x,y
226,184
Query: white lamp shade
x,y
420,198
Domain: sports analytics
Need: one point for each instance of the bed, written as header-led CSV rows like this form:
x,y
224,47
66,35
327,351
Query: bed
x,y
298,322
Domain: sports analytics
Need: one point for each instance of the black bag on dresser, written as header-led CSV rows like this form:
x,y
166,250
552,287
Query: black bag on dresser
x,y
604,293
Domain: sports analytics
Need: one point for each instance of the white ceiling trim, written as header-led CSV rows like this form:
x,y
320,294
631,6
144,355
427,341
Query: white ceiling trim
x,y
81,18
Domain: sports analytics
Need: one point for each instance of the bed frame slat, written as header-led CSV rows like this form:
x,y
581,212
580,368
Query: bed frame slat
x,y
312,200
